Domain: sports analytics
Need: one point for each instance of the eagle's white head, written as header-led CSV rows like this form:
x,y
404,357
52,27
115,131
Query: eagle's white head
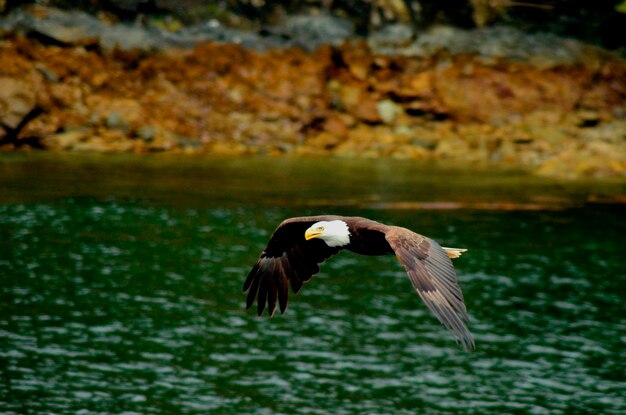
x,y
335,232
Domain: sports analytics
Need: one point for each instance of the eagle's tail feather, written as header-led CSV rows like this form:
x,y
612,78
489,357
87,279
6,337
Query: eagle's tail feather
x,y
454,252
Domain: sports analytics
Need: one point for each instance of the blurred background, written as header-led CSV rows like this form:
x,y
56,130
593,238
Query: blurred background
x,y
148,149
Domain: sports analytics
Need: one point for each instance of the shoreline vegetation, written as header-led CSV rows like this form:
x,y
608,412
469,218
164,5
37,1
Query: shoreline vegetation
x,y
70,81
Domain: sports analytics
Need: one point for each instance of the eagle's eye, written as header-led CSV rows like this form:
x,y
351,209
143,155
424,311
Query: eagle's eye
x,y
320,228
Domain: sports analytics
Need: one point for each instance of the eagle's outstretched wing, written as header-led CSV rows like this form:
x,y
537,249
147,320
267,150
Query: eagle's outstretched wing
x,y
432,274
287,259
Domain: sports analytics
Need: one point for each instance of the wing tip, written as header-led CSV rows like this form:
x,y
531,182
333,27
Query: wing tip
x,y
271,313
283,309
468,344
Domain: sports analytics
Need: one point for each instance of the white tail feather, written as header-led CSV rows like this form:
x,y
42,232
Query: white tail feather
x,y
454,252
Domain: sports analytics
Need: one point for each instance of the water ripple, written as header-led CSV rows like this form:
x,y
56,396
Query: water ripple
x,y
128,308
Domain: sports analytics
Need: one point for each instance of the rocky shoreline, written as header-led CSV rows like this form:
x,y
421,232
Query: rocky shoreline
x,y
553,106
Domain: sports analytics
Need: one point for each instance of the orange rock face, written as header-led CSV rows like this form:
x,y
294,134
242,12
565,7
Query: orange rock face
x,y
224,98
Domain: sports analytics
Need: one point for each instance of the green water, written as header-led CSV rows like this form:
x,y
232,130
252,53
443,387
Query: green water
x,y
121,292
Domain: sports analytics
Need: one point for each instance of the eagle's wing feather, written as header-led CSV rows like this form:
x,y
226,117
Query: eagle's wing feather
x,y
287,259
432,274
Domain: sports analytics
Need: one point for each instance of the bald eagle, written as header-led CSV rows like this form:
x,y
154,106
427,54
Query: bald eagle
x,y
299,245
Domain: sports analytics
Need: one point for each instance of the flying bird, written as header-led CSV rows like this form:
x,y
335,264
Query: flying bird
x,y
299,245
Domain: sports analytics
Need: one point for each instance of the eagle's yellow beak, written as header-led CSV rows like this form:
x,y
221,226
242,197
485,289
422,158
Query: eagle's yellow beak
x,y
312,233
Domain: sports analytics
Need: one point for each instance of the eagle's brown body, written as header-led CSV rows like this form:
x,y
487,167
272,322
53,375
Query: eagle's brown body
x,y
290,259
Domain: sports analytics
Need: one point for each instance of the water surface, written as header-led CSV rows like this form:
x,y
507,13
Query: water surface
x,y
121,291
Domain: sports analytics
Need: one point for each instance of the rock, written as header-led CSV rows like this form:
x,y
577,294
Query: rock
x,y
589,118
214,31
116,122
473,92
71,27
89,140
392,36
388,110
411,152
311,32
359,103
118,114
17,99
421,84
79,28
596,159
339,125
613,132
542,49
67,140
58,26
125,37
452,147
324,141
147,133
